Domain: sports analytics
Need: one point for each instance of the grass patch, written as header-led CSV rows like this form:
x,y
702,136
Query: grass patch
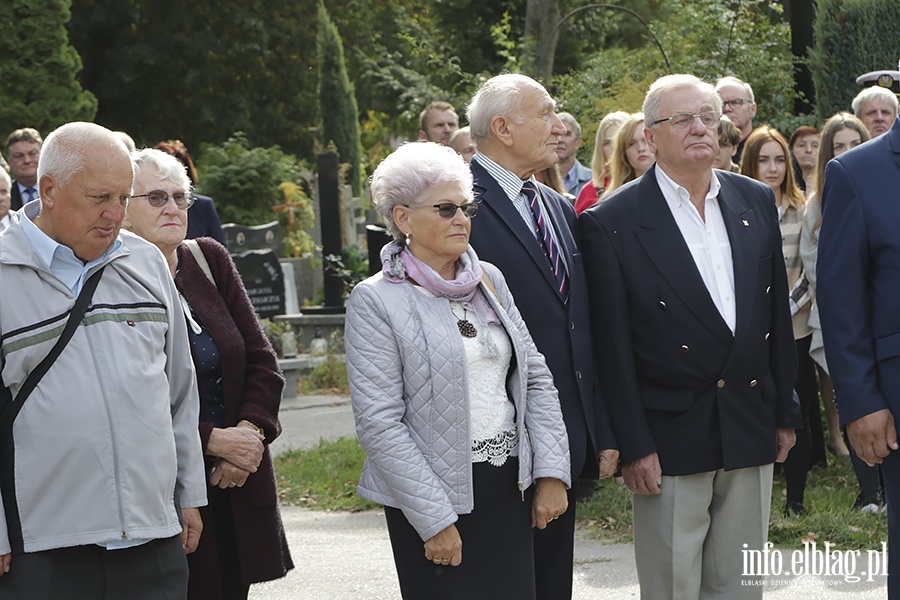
x,y
829,497
325,478
328,377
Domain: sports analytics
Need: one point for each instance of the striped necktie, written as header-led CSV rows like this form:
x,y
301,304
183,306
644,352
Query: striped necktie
x,y
31,195
542,230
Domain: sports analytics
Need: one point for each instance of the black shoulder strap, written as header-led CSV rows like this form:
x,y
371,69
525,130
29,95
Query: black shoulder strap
x,y
8,416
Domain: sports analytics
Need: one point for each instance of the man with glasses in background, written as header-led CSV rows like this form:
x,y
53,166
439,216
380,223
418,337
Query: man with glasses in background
x,y
23,148
694,350
739,105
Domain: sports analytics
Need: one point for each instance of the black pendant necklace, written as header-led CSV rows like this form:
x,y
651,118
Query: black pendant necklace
x,y
466,328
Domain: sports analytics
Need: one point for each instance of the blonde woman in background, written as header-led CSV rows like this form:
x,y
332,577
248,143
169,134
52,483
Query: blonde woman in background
x,y
603,145
631,156
841,132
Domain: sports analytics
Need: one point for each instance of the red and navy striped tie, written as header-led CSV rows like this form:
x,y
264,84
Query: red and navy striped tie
x,y
547,243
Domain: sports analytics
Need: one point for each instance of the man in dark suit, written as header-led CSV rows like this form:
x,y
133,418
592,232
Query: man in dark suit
x,y
695,349
858,293
514,125
23,148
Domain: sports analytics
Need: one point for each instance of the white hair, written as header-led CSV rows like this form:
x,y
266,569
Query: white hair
x,y
730,80
161,164
670,82
404,177
5,176
570,122
499,96
875,92
67,149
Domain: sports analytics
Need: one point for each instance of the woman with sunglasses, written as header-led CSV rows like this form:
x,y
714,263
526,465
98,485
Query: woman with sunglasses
x,y
455,408
240,386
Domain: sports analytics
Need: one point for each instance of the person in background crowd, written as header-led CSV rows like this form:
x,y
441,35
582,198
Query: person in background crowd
x,y
729,137
603,145
465,444
841,133
437,122
461,141
240,390
574,174
526,229
877,108
204,221
697,361
739,105
631,155
5,185
859,305
553,180
767,158
804,143
102,474
23,149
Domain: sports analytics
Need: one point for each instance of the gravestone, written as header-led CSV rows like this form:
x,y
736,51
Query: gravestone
x,y
262,276
255,250
239,238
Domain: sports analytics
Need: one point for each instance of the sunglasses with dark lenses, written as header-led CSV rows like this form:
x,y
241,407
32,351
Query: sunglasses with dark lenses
x,y
158,198
447,210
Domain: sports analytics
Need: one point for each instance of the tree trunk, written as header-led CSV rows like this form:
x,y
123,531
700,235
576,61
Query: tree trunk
x,y
541,36
801,15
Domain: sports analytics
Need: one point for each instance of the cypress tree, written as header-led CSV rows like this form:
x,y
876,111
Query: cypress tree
x,y
337,100
852,37
39,68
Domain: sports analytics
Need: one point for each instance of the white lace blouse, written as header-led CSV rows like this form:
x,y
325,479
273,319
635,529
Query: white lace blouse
x,y
492,423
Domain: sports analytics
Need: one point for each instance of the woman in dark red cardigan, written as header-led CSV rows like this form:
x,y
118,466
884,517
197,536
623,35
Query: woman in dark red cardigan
x,y
240,385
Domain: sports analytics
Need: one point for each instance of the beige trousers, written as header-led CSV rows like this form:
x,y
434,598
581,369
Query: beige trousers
x,y
688,540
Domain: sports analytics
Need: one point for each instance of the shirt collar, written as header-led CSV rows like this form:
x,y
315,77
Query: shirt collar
x,y
509,182
22,188
676,194
52,253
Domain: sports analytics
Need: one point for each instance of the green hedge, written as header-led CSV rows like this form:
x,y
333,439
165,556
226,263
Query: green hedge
x,y
852,37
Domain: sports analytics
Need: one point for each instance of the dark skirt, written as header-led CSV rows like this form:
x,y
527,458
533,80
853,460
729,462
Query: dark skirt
x,y
216,556
497,544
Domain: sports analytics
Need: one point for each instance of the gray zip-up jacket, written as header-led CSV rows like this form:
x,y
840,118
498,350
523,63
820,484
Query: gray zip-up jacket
x,y
408,383
107,445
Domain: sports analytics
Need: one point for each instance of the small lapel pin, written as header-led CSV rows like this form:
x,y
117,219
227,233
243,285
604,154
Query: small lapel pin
x,y
745,222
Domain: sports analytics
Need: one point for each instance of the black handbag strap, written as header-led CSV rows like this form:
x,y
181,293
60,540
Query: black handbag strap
x,y
8,416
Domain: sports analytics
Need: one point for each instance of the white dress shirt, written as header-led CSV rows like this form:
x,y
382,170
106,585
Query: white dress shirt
x,y
707,241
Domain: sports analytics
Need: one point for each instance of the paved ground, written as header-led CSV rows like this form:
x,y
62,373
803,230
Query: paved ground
x,y
347,556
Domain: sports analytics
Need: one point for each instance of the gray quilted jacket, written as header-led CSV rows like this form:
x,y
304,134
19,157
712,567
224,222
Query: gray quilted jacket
x,y
407,371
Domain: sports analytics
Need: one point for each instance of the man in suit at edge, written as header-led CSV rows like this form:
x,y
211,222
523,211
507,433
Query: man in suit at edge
x,y
858,293
23,149
694,348
515,128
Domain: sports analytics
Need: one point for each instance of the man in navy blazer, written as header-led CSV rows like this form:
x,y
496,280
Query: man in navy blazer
x,y
514,125
858,292
695,349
